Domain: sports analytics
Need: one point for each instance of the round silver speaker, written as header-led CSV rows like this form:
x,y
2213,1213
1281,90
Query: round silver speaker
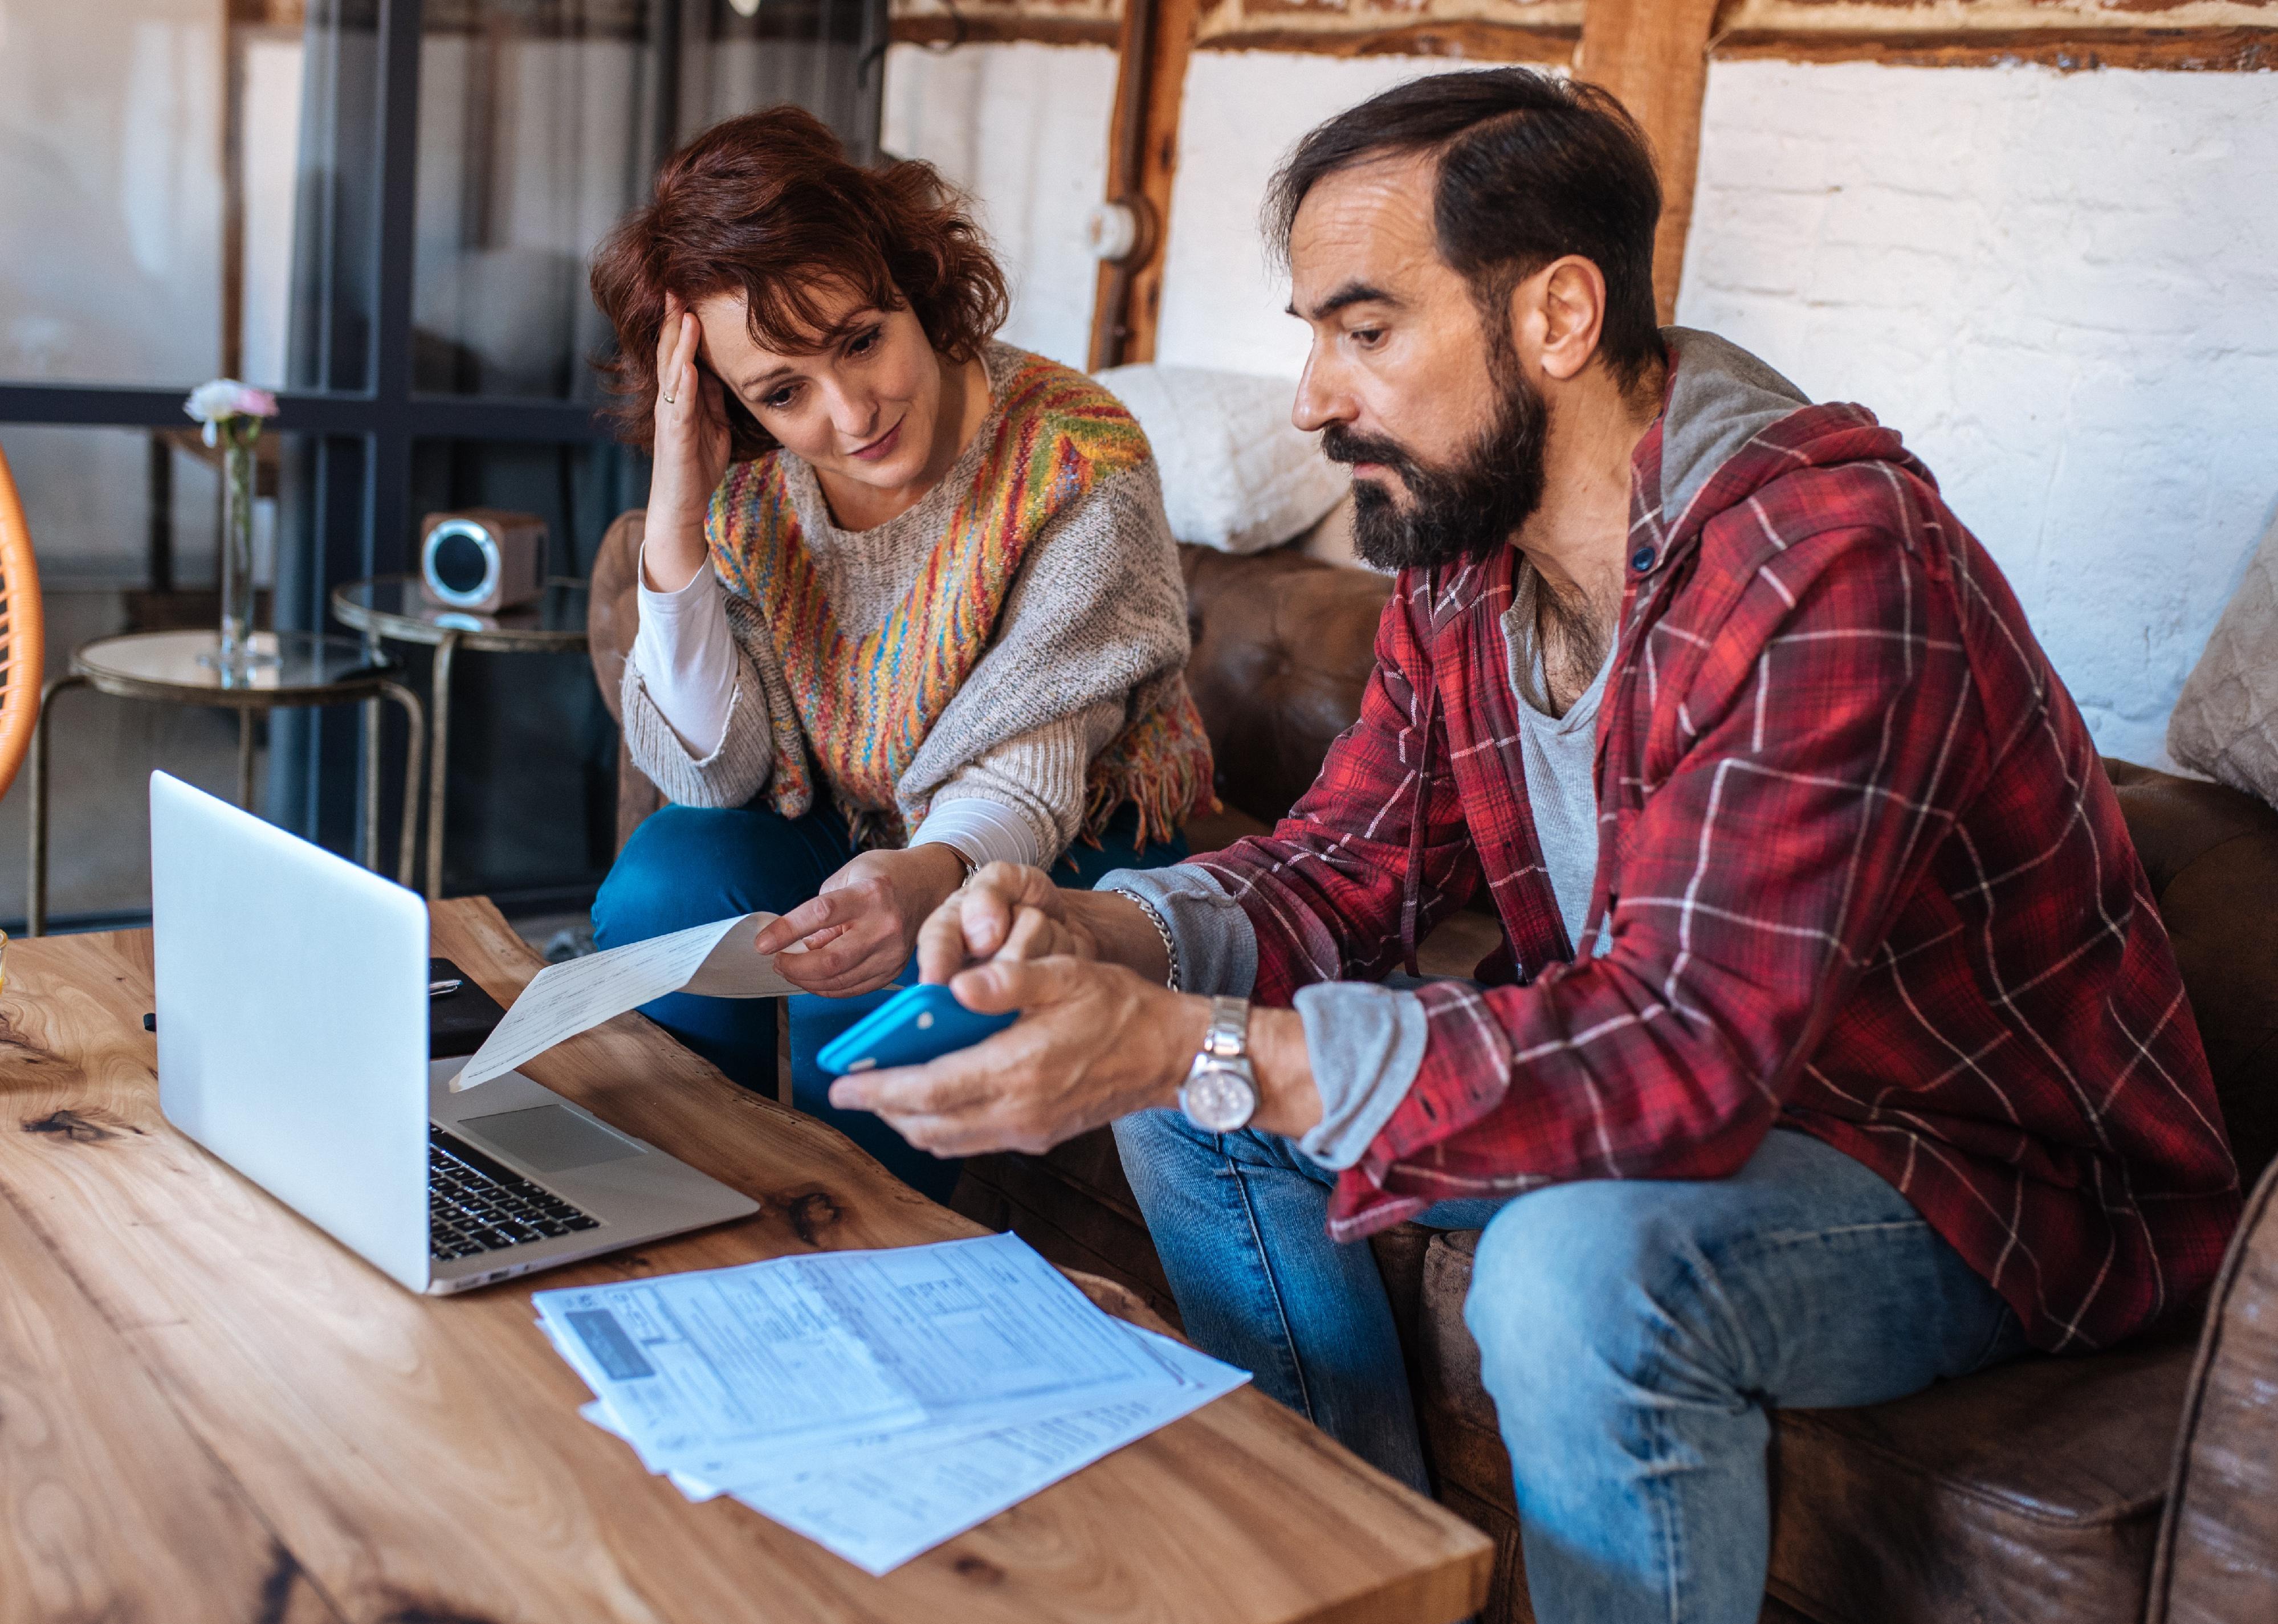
x,y
461,563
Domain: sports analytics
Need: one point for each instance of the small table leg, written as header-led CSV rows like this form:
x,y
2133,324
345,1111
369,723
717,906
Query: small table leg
x,y
408,843
245,757
370,855
35,909
437,760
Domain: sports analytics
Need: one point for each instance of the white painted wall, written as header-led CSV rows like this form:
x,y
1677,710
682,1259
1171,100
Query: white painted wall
x,y
1024,128
2062,288
1223,305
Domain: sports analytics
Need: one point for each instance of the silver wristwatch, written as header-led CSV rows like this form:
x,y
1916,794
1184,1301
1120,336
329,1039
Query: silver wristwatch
x,y
1220,1093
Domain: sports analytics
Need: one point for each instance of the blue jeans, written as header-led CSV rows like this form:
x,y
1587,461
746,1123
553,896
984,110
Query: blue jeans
x,y
687,866
1633,1334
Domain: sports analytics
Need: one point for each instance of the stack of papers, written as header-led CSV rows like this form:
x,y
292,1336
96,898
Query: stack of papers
x,y
877,1402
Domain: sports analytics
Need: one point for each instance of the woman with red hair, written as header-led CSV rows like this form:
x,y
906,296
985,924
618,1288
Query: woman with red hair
x,y
908,601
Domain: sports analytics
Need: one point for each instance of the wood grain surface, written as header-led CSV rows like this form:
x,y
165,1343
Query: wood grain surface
x,y
207,1408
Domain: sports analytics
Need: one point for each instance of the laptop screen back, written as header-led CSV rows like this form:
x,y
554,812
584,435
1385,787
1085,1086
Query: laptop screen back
x,y
293,1021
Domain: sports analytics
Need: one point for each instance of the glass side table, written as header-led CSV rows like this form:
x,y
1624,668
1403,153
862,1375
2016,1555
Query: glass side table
x,y
392,606
293,668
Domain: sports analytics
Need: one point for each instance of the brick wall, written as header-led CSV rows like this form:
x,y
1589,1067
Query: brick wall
x,y
2061,287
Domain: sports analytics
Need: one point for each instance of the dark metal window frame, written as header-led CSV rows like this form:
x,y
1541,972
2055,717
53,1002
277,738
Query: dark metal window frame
x,y
352,449
388,416
381,423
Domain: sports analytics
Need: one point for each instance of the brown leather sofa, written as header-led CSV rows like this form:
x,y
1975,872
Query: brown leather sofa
x,y
2140,1484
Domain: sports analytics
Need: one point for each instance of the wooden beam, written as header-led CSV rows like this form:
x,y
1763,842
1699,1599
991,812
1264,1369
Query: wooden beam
x,y
1468,39
1150,81
1653,56
929,29
2222,35
2205,50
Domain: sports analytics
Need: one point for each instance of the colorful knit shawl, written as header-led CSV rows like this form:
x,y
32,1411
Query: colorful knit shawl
x,y
866,704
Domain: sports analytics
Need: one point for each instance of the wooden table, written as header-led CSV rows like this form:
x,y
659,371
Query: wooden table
x,y
209,1410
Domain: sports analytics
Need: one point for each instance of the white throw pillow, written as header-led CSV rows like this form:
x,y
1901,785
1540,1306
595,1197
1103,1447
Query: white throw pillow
x,y
2226,721
1236,474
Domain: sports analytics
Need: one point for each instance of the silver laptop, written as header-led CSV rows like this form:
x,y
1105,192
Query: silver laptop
x,y
293,1044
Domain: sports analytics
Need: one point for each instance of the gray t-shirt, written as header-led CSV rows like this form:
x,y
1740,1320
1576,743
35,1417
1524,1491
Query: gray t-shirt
x,y
1366,1042
1560,755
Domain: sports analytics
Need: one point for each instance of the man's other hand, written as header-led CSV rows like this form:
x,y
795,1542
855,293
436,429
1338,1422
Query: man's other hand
x,y
1096,1041
1008,910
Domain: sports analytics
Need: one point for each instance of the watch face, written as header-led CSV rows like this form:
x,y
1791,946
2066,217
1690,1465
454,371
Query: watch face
x,y
1218,1099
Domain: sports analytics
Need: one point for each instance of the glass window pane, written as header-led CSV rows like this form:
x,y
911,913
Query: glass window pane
x,y
271,81
826,56
110,183
536,135
531,803
133,509
541,123
187,185
106,509
308,196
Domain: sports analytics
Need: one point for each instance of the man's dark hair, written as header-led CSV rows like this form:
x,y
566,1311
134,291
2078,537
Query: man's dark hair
x,y
1532,169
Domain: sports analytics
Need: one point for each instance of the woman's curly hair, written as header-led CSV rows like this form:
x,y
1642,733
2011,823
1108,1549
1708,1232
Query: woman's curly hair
x,y
769,205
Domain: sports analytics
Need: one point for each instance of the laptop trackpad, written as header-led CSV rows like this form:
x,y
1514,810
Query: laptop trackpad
x,y
549,1139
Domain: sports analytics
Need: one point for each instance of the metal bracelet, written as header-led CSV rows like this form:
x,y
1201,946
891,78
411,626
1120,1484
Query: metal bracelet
x,y
1163,929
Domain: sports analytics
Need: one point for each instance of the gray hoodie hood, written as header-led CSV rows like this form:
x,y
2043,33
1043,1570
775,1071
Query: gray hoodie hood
x,y
1724,398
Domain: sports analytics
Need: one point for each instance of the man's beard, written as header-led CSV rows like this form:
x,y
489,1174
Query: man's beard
x,y
1465,510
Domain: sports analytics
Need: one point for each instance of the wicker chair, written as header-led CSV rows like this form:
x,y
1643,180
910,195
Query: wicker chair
x,y
22,643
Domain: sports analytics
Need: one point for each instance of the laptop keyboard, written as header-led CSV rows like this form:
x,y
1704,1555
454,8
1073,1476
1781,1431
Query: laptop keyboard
x,y
476,1204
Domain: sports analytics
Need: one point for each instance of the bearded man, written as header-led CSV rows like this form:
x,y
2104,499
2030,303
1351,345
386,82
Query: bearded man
x,y
1834,1045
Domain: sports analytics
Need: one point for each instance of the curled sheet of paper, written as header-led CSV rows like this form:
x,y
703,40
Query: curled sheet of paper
x,y
713,961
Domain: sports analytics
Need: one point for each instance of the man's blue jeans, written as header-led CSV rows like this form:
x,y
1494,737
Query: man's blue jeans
x,y
1632,1332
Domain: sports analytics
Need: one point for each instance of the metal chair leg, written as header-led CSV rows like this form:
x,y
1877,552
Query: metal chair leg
x,y
369,847
36,909
408,843
368,838
438,760
245,757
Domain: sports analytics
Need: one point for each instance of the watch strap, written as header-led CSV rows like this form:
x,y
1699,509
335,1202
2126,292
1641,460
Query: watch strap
x,y
1229,1035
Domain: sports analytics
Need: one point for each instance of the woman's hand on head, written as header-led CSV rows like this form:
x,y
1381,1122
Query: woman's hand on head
x,y
862,926
691,454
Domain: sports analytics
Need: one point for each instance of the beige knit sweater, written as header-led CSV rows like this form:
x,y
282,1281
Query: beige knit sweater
x,y
1098,612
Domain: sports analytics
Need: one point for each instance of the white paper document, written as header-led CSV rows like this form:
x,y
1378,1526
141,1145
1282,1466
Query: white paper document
x,y
729,1373
714,961
882,1501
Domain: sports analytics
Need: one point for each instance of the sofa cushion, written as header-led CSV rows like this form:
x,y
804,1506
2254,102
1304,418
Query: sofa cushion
x,y
1283,647
2029,1491
1237,475
2212,855
2225,723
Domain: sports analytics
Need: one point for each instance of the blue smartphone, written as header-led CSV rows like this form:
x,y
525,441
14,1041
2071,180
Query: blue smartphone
x,y
916,1025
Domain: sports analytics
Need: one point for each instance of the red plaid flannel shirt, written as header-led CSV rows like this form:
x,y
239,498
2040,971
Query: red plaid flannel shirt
x,y
1864,877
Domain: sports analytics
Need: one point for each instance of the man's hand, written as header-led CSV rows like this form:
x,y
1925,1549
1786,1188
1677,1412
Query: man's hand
x,y
1007,911
1095,1043
860,927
